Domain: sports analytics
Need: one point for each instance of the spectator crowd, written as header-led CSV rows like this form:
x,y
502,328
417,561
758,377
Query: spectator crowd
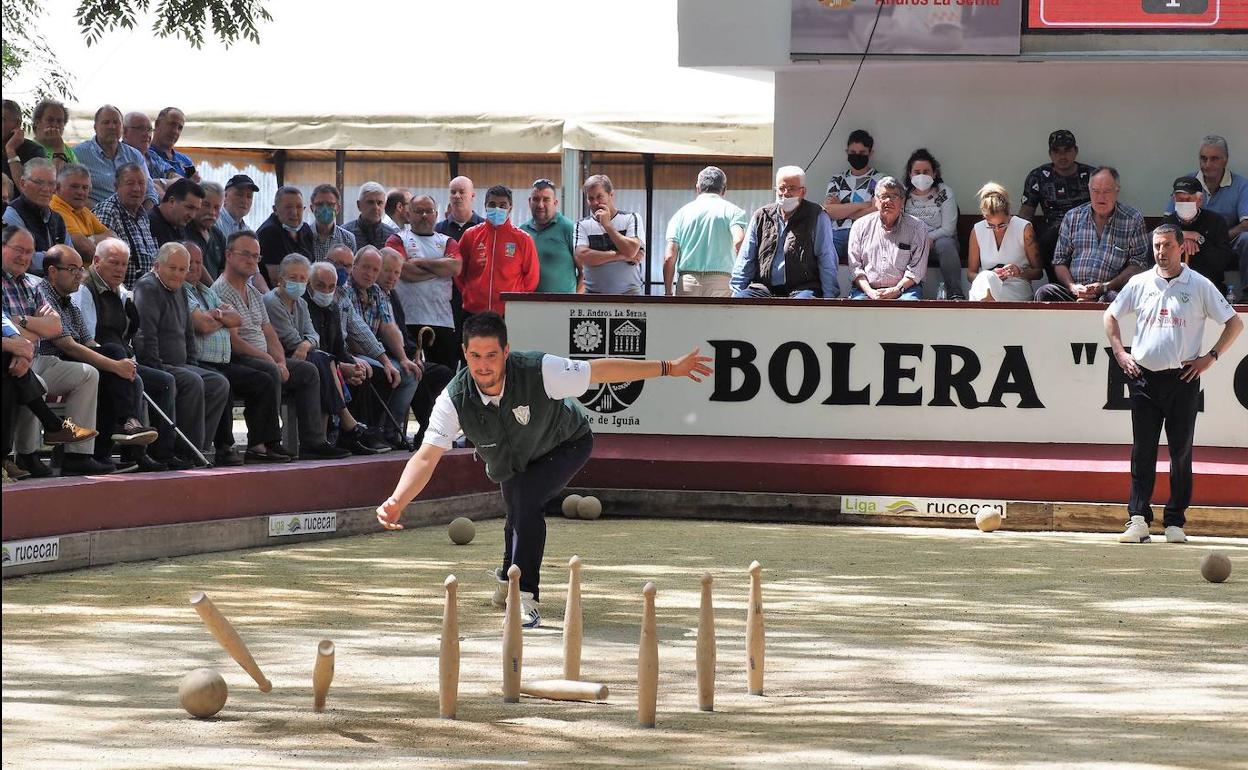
x,y
136,295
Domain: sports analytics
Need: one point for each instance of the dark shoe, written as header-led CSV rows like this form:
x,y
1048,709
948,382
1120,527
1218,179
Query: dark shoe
x,y
323,451
70,433
134,433
276,448
149,464
175,462
85,465
353,443
230,458
34,467
253,456
14,471
372,438
397,440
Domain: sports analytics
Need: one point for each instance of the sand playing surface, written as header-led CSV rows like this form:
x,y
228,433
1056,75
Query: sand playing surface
x,y
886,648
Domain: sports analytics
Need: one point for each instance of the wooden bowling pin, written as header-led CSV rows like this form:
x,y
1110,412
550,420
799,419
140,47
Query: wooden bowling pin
x,y
706,648
228,638
754,637
647,661
448,653
322,674
572,622
513,638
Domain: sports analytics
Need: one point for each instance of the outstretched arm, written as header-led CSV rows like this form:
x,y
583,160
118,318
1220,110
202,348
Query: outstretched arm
x,y
416,475
689,365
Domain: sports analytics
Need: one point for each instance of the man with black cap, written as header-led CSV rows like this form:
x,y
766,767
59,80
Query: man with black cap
x,y
1056,187
1206,246
236,204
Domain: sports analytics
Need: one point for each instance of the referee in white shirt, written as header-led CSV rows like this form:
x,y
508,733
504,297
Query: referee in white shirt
x,y
1171,303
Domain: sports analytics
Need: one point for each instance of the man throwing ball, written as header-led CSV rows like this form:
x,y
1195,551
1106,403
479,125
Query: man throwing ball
x,y
519,412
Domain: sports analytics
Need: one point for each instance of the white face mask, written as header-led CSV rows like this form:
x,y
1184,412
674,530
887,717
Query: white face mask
x,y
922,182
1187,210
788,205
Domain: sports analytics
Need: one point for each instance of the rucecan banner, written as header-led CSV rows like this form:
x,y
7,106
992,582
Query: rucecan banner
x,y
913,371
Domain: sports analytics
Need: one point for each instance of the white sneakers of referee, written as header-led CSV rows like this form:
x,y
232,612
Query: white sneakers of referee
x,y
1137,532
529,615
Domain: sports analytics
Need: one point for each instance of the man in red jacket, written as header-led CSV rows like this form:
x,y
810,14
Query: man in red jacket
x,y
497,257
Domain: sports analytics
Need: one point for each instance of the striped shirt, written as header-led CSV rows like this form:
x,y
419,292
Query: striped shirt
x,y
255,315
213,347
1096,257
134,229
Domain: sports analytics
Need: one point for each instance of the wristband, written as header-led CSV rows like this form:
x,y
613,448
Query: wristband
x,y
1214,352
663,368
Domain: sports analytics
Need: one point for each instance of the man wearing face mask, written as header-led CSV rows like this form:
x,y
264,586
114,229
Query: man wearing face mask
x,y
788,249
284,232
1206,247
368,228
327,233
850,196
497,257
181,203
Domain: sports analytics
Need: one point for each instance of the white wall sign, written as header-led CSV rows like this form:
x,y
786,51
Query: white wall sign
x,y
845,370
302,524
17,552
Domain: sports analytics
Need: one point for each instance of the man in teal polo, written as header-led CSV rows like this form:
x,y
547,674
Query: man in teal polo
x,y
519,410
703,239
554,235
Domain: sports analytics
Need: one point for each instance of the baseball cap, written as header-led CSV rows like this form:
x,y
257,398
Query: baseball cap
x,y
242,180
1187,184
1061,138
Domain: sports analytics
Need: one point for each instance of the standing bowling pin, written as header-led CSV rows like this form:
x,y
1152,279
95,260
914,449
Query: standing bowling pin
x,y
572,622
448,654
706,648
754,638
513,638
647,661
322,674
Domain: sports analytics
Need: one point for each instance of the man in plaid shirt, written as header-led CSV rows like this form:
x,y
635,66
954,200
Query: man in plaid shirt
x,y
123,213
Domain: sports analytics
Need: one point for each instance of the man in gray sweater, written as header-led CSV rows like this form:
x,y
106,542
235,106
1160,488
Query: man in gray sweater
x,y
166,340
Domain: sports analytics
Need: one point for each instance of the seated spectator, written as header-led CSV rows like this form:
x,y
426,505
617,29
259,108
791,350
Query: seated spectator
x,y
931,201
49,123
202,231
17,148
73,193
327,233
397,201
177,208
851,196
1099,247
424,291
368,228
610,244
212,320
254,343
1004,258
7,192
703,239
497,257
123,213
342,259
1226,193
32,210
788,249
166,340
163,161
888,249
1055,188
104,153
120,397
74,380
1206,246
284,232
236,205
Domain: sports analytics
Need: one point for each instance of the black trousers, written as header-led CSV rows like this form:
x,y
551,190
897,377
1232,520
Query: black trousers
x,y
260,406
17,391
1162,399
1046,241
526,495
432,383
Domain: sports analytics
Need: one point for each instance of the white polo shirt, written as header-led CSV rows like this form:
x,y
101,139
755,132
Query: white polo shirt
x,y
1170,316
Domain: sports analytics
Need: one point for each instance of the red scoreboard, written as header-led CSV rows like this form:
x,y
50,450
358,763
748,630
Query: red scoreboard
x,y
1138,15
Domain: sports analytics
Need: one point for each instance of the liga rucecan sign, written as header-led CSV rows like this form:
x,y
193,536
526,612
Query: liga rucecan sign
x,y
844,370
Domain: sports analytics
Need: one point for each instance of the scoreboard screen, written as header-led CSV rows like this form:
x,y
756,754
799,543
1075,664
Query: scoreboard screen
x,y
1199,16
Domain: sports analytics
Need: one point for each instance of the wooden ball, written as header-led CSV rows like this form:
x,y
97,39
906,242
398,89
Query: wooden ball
x,y
570,504
461,531
1215,567
589,507
202,692
988,521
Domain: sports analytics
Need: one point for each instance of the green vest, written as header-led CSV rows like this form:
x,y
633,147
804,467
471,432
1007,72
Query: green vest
x,y
525,425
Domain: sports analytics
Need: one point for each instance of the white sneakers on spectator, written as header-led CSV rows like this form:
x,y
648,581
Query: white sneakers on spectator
x,y
1175,535
1137,531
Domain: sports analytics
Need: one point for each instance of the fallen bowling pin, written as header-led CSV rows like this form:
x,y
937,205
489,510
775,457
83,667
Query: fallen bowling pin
x,y
565,689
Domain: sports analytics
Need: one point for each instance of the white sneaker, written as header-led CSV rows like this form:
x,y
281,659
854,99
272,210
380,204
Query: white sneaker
x,y
1175,535
1137,531
529,616
500,589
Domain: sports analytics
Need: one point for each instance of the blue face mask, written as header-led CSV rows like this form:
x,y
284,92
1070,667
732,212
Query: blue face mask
x,y
295,288
324,214
323,298
342,276
496,216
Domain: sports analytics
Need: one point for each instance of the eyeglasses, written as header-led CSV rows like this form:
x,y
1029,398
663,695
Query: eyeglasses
x,y
20,251
72,270
46,184
245,254
1001,226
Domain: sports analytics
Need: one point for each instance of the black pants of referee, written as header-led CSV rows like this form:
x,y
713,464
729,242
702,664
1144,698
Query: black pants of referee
x,y
526,495
1162,399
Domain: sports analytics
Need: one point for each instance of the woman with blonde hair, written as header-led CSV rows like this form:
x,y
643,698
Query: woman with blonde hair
x,y
1004,258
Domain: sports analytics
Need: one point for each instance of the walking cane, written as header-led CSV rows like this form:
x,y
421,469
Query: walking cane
x,y
393,419
178,431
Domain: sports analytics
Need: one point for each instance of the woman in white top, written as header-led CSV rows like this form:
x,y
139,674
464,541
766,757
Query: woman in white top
x,y
1004,258
928,198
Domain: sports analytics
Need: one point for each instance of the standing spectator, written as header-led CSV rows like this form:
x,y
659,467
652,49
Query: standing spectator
x,y
554,237
1171,304
17,148
851,195
1055,188
703,239
788,249
368,228
284,232
1206,245
888,249
104,153
49,121
610,244
32,210
931,201
459,213
1100,246
163,160
73,193
1003,258
497,257
74,380
166,340
423,293
122,212
237,204
327,233
1226,193
169,220
203,232
397,201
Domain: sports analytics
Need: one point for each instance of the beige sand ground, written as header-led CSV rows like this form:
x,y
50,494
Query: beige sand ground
x,y
886,648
